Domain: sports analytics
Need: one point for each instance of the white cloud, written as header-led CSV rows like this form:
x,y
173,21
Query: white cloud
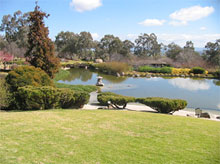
x,y
152,22
189,84
193,13
203,28
95,36
199,40
85,5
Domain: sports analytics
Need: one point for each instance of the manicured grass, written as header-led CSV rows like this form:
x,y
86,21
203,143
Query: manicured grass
x,y
80,136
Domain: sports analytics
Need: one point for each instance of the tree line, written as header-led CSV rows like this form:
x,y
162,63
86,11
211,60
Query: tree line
x,y
81,46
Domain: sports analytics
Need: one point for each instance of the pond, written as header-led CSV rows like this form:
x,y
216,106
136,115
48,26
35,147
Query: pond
x,y
202,93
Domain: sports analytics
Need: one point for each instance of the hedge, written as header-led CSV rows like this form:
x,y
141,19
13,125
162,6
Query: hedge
x,y
114,99
155,70
163,105
47,97
197,70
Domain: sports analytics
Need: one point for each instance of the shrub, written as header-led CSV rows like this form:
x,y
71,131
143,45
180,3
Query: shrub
x,y
197,70
4,94
115,99
67,98
27,75
47,97
35,98
113,67
81,98
155,70
163,105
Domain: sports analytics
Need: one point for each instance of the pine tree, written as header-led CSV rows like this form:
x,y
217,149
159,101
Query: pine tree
x,y
41,52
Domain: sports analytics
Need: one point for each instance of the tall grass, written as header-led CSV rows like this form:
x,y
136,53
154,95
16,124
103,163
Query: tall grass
x,y
113,67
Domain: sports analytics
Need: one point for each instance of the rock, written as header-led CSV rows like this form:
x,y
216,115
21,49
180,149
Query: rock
x,y
98,60
218,117
148,75
118,74
136,75
122,74
205,115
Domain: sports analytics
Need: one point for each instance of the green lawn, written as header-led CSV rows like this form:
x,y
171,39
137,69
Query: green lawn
x,y
102,136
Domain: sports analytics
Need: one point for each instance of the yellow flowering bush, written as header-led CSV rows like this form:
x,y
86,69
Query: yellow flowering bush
x,y
180,70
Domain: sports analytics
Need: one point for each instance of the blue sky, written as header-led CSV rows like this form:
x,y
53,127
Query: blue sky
x,y
170,20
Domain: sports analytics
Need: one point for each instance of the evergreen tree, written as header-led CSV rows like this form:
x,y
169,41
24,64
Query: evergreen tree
x,y
41,49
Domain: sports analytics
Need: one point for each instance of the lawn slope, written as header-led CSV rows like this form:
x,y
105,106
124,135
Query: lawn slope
x,y
80,136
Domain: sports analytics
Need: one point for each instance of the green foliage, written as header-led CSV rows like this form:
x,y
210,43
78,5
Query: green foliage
x,y
81,98
113,67
41,49
4,94
212,53
108,46
27,75
114,99
147,45
47,97
15,28
34,98
71,45
173,51
66,98
197,70
155,70
163,105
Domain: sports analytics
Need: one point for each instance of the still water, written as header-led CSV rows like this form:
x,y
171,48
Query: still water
x,y
202,93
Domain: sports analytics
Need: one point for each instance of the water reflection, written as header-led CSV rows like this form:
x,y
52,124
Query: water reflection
x,y
85,75
216,82
190,84
112,79
81,74
203,93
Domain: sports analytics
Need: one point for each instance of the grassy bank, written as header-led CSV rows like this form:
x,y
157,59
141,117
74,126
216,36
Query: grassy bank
x,y
76,136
